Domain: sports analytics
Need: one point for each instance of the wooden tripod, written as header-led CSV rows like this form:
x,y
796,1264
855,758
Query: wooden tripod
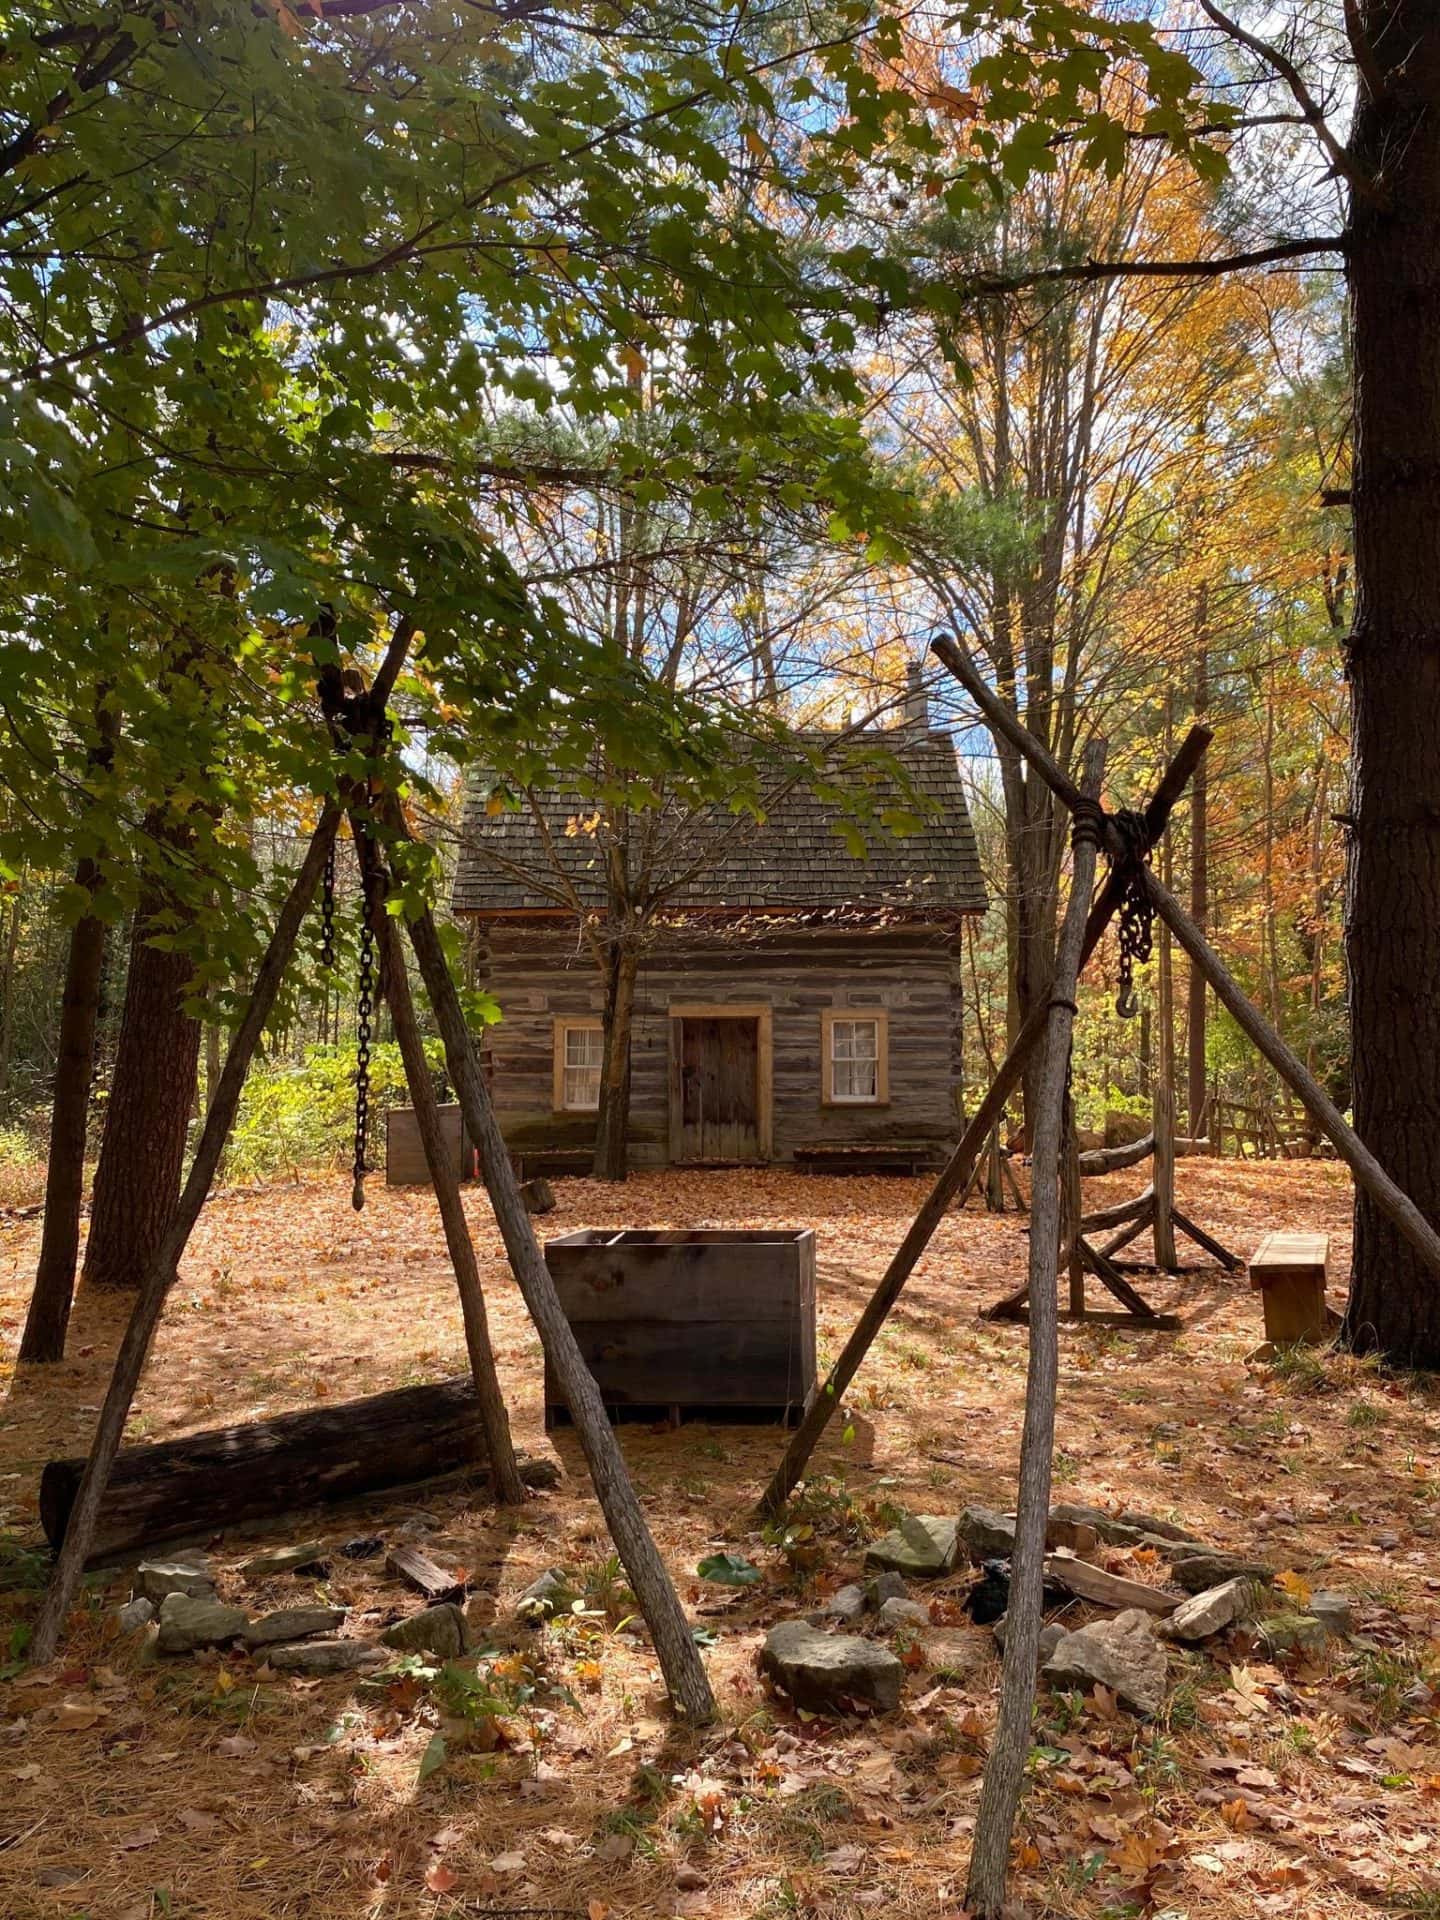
x,y
366,732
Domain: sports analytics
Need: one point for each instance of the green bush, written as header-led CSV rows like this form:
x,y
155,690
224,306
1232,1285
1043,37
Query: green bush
x,y
292,1117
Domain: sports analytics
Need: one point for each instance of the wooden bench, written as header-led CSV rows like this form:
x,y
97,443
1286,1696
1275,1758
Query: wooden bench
x,y
1288,1270
901,1156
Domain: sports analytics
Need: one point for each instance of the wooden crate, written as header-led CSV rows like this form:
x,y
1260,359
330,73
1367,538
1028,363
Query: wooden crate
x,y
719,1320
405,1156
1288,1270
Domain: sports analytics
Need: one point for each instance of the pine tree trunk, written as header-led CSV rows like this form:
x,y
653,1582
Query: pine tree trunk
x,y
49,1315
1393,662
613,1121
142,1151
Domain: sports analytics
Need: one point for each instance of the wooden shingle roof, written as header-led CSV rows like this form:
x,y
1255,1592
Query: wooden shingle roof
x,y
794,858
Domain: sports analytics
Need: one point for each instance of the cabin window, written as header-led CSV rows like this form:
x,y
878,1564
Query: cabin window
x,y
579,1055
854,1058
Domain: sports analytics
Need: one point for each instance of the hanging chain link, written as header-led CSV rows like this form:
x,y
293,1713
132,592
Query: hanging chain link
x,y
327,911
1136,920
364,1004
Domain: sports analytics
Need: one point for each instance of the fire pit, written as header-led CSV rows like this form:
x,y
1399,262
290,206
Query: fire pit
x,y
716,1321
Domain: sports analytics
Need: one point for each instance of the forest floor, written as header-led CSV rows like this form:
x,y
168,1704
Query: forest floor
x,y
210,1789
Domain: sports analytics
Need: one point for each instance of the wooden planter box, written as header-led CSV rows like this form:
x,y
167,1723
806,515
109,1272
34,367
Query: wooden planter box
x,y
719,1320
405,1156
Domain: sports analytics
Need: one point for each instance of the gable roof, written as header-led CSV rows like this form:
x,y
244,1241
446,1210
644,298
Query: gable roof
x,y
794,858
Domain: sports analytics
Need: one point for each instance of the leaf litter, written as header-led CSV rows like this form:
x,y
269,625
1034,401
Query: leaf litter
x,y
1289,1786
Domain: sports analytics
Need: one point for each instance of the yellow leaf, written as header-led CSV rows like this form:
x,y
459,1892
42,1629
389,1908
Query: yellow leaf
x,y
1295,1585
756,144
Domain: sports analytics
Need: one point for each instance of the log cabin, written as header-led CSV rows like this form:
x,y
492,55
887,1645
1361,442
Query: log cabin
x,y
798,1001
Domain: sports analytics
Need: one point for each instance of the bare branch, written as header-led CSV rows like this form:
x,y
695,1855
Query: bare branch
x,y
1280,63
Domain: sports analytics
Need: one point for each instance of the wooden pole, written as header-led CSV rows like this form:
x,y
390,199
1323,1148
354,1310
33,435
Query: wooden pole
x,y
956,1172
675,1646
1072,1208
1392,1201
1005,1766
494,1420
156,1284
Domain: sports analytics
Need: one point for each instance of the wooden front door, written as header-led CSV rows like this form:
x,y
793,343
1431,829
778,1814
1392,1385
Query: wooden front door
x,y
719,1061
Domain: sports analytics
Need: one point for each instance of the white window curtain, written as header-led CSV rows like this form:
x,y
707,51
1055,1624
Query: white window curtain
x,y
584,1055
855,1060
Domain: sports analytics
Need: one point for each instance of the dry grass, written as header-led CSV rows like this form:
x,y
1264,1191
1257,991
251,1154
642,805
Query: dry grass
x,y
208,1790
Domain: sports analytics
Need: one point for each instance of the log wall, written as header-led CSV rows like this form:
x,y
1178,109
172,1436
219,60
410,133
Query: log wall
x,y
537,972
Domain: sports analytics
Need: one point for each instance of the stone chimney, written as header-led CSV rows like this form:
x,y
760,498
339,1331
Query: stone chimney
x,y
917,705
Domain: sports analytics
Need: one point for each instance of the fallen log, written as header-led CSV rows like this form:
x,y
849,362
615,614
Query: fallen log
x,y
232,1475
1115,1159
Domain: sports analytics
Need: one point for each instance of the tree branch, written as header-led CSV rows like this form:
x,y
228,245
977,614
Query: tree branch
x,y
1271,56
990,285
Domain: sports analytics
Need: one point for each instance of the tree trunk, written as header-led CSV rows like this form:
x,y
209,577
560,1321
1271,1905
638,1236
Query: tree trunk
x,y
612,1126
1393,662
1199,890
142,1151
160,1276
49,1315
7,990
80,997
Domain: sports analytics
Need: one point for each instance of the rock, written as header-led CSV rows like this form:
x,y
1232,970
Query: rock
x,y
1291,1633
154,1579
552,1593
1051,1634
325,1656
1126,1129
541,1473
1210,1567
1210,1612
1122,1654
1075,1536
438,1630
821,1671
1334,1610
538,1195
297,1559
135,1614
987,1533
365,1546
903,1613
921,1547
191,1621
293,1623
1159,1529
951,1653
846,1605
885,1586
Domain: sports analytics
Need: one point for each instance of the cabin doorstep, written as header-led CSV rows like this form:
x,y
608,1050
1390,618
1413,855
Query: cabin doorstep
x,y
801,1004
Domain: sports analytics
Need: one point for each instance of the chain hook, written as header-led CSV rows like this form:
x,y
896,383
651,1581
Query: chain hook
x,y
1137,916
